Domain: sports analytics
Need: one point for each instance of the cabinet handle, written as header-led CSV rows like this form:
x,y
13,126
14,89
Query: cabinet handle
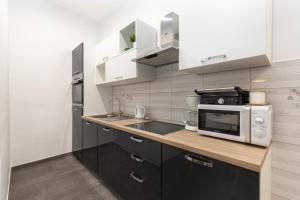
x,y
214,57
119,78
136,158
137,179
106,129
136,139
87,123
199,161
76,72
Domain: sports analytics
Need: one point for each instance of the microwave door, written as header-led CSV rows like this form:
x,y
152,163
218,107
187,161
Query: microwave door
x,y
224,122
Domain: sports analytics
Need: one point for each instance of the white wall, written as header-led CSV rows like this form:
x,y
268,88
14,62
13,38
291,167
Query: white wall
x,y
42,36
286,26
286,30
4,112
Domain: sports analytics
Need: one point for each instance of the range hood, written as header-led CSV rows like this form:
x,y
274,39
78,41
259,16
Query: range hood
x,y
168,52
159,57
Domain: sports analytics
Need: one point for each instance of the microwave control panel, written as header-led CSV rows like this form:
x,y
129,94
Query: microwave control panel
x,y
261,125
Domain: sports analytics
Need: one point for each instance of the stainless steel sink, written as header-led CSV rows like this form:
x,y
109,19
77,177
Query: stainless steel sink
x,y
112,117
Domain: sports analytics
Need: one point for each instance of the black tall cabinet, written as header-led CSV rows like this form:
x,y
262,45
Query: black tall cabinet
x,y
77,60
77,100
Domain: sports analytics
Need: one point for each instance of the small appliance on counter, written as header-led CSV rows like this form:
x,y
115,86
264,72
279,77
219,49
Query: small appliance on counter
x,y
226,113
190,118
257,98
224,96
140,112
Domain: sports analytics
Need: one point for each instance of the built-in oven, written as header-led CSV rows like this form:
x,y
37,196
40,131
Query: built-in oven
x,y
225,121
77,91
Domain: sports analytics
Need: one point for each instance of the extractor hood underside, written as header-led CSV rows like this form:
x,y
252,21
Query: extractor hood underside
x,y
159,57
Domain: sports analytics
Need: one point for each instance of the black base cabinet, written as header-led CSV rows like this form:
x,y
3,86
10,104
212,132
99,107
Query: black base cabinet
x,y
140,168
109,156
193,177
89,141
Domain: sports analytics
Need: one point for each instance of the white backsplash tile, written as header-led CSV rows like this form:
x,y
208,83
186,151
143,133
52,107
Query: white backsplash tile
x,y
177,72
187,83
139,88
161,85
177,115
164,71
279,75
160,100
227,79
163,114
119,90
179,99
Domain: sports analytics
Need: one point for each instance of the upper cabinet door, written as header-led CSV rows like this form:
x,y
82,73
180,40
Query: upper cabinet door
x,y
112,45
121,67
77,60
146,37
107,49
101,53
217,31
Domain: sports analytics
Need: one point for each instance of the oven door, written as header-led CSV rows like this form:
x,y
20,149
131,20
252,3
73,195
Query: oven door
x,y
77,93
228,122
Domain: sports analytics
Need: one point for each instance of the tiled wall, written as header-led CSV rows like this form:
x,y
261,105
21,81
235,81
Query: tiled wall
x,y
165,100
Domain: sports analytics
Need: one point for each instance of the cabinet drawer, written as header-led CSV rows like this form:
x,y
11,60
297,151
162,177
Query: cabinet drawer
x,y
190,176
143,176
148,149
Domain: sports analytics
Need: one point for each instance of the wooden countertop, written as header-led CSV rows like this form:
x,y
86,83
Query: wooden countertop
x,y
239,154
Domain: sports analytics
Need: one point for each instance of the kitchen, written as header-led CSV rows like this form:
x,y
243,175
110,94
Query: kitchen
x,y
37,94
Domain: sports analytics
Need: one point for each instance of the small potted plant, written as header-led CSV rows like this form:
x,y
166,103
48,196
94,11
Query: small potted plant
x,y
132,40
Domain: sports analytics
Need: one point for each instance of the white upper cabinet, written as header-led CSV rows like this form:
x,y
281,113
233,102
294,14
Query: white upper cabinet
x,y
119,68
115,55
220,35
107,49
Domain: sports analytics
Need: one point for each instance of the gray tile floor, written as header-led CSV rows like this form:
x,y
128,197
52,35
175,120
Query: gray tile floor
x,y
62,178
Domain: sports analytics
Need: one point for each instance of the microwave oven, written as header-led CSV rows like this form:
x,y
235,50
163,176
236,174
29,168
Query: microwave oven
x,y
242,123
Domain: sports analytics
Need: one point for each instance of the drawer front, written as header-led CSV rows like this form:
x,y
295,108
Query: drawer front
x,y
140,179
148,149
109,155
190,176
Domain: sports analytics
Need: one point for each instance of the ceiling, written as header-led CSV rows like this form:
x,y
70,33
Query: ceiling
x,y
96,10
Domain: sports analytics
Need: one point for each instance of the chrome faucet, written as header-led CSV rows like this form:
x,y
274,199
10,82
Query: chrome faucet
x,y
119,102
